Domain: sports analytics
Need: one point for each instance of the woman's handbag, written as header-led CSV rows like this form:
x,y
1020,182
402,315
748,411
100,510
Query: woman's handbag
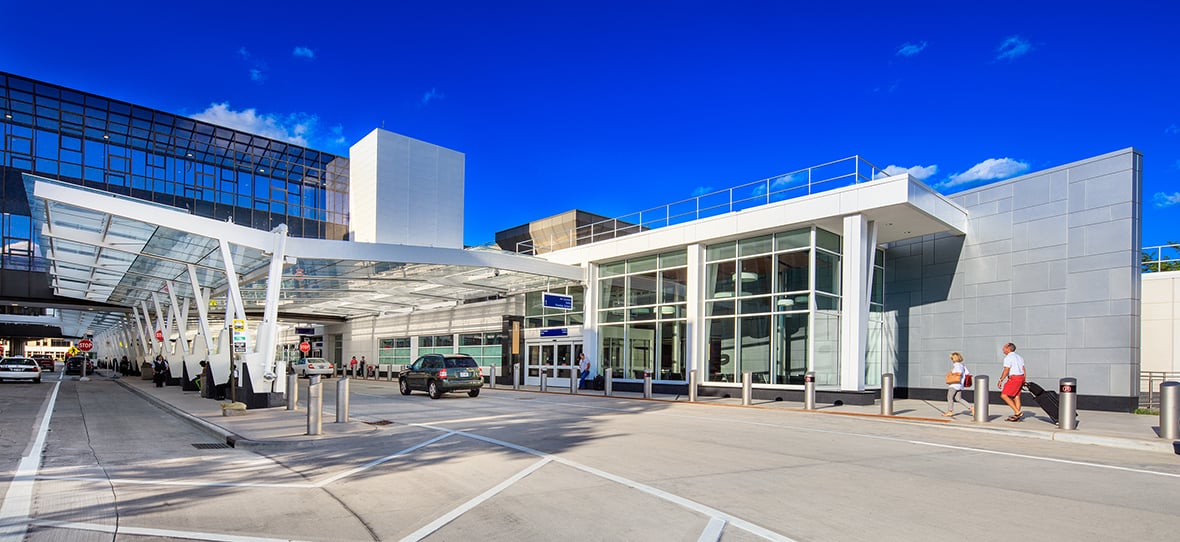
x,y
953,377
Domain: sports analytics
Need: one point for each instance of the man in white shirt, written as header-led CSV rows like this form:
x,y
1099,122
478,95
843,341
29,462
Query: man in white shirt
x,y
1012,381
583,370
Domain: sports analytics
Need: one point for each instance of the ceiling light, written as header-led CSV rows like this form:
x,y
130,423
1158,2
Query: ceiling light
x,y
8,115
104,136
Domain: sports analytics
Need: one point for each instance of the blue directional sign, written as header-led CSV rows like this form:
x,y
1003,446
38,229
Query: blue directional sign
x,y
556,332
557,301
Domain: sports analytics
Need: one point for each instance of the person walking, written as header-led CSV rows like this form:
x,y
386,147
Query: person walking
x,y
159,370
583,370
352,365
1012,381
954,389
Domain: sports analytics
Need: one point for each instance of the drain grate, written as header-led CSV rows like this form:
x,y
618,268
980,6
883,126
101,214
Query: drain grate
x,y
380,422
210,445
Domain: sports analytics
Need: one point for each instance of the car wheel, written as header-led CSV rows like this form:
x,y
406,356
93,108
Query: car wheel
x,y
473,393
37,380
403,386
434,390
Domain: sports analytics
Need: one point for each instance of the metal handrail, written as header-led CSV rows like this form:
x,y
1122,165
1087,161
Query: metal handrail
x,y
1149,382
797,183
1156,261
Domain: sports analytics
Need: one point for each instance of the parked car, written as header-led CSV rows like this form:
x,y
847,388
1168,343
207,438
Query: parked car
x,y
74,365
312,366
46,362
20,368
437,374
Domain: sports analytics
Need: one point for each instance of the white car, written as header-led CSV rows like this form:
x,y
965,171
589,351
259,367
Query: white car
x,y
312,366
20,368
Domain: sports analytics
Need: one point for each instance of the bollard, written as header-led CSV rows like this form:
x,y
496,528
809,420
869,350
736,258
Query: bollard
x,y
342,400
692,386
609,387
573,381
292,391
544,379
981,397
315,406
647,384
887,394
389,375
1067,411
1170,410
747,387
809,391
516,376
492,379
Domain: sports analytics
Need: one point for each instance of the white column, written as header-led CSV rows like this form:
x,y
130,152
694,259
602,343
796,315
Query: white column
x,y
160,323
696,350
590,325
856,277
267,334
234,296
202,307
181,314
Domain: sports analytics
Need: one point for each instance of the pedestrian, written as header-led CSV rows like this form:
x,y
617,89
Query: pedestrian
x,y
954,385
583,370
364,374
352,365
159,370
1012,381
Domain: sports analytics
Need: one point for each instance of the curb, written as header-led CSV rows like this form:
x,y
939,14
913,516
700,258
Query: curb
x,y
1072,437
216,431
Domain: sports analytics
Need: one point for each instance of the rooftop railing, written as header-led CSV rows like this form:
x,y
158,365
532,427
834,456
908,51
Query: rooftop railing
x,y
1156,259
815,179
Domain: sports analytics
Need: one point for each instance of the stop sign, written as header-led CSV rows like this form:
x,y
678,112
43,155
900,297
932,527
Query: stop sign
x,y
304,347
85,345
159,335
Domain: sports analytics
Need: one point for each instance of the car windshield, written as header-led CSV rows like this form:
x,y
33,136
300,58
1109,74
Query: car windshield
x,y
460,362
19,361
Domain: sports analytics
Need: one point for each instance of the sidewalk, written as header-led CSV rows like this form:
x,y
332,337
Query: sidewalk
x,y
278,426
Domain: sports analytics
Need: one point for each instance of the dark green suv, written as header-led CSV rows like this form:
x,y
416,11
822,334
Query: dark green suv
x,y
437,374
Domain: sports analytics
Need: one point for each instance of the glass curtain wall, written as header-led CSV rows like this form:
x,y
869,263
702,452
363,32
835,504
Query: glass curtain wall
x,y
394,351
768,301
875,352
436,344
641,316
537,315
483,347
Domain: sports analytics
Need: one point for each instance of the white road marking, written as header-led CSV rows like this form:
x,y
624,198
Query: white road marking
x,y
479,499
145,531
712,532
18,502
379,461
655,492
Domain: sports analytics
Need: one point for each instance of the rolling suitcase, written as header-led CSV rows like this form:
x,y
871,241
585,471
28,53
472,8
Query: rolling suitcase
x,y
1047,399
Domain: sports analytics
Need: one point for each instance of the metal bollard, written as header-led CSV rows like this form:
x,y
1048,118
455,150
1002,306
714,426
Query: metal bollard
x,y
389,375
647,384
981,397
609,382
809,391
1170,410
747,387
544,379
692,386
516,376
573,381
315,406
1067,409
292,391
887,394
342,400
492,378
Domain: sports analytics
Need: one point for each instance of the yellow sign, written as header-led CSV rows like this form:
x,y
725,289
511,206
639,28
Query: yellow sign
x,y
239,324
73,351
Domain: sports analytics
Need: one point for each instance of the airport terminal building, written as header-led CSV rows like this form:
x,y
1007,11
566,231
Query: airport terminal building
x,y
838,268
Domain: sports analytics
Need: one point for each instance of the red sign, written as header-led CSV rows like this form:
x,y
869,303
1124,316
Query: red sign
x,y
305,347
159,335
85,345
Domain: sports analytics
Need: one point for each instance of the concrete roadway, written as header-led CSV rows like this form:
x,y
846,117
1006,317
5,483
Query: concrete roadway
x,y
525,466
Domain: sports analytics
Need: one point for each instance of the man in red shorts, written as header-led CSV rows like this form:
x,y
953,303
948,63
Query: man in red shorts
x,y
1012,381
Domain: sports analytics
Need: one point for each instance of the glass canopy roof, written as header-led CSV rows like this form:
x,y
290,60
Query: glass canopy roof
x,y
120,251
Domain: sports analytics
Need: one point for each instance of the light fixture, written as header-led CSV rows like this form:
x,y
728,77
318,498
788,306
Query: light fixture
x,y
188,154
667,309
746,276
104,136
8,115
784,302
723,294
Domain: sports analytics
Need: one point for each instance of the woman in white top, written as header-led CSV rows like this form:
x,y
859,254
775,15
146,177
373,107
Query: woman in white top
x,y
954,390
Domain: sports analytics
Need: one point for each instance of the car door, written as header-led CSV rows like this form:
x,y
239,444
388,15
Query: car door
x,y
414,375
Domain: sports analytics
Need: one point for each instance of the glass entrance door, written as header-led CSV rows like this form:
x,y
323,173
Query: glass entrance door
x,y
556,360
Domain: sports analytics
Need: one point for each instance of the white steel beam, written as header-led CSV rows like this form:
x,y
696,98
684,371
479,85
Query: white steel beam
x,y
231,279
202,307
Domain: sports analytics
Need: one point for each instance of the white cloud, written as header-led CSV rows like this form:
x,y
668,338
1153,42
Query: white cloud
x,y
1012,47
918,172
304,52
1172,130
244,53
702,190
1163,200
781,183
910,49
987,170
257,75
337,137
430,96
295,128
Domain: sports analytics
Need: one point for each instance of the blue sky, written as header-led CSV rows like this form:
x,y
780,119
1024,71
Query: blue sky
x,y
614,107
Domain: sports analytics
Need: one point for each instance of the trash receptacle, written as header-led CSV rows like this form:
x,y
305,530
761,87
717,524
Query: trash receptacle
x,y
145,371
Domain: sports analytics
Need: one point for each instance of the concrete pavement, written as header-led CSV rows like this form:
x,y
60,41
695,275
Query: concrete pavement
x,y
278,426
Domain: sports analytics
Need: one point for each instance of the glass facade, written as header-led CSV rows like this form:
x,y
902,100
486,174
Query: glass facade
x,y
537,315
129,150
642,316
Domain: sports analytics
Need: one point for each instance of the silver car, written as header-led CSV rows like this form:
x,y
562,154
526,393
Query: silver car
x,y
312,366
20,368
